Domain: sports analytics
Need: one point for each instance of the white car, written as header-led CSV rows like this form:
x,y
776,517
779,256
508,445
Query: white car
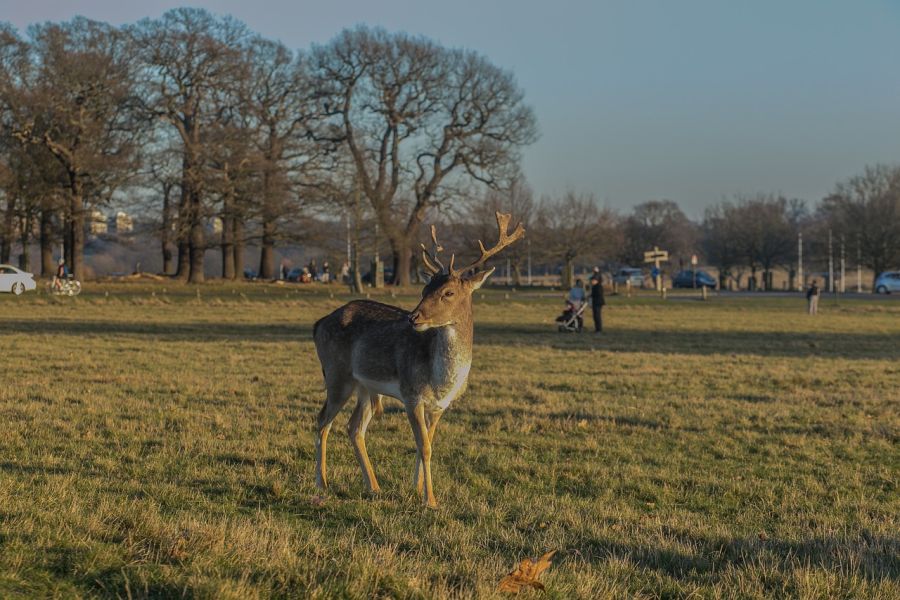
x,y
15,281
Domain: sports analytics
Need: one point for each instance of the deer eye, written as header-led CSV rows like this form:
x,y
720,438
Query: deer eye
x,y
447,294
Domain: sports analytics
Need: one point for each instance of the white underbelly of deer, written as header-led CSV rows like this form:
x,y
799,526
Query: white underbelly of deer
x,y
385,388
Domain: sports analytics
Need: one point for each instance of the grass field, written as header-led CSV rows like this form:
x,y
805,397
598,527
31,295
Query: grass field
x,y
159,443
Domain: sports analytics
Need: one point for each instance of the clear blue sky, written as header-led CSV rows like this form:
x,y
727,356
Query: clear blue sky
x,y
690,100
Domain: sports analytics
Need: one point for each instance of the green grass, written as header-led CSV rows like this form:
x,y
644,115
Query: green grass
x,y
160,444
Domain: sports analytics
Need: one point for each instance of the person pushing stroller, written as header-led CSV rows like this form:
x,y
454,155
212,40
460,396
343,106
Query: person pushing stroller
x,y
572,318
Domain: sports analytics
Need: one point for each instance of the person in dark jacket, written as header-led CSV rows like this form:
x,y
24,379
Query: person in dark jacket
x,y
812,298
597,299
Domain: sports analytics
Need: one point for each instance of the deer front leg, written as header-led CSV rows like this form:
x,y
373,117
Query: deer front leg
x,y
432,419
356,429
416,415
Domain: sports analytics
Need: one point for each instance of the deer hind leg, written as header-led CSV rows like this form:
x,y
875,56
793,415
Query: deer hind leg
x,y
417,421
432,419
337,396
356,429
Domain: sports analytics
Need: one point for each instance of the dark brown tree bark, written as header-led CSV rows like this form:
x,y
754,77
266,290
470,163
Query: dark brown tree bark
x,y
267,243
227,243
9,216
77,223
183,269
166,234
47,238
267,251
238,225
183,272
197,241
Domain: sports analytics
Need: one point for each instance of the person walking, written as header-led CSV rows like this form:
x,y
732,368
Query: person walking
x,y
597,299
812,298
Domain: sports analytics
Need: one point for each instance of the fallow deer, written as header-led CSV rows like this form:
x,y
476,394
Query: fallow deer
x,y
421,358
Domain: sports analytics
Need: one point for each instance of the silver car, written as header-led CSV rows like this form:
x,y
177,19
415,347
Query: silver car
x,y
888,282
15,281
626,274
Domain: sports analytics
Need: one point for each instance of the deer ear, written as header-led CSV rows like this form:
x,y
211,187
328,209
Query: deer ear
x,y
478,279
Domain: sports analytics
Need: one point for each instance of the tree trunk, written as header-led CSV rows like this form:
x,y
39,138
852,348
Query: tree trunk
x,y
24,236
267,250
8,222
184,260
77,223
404,261
47,266
185,220
67,239
166,234
568,272
238,239
356,285
517,273
197,241
267,247
227,247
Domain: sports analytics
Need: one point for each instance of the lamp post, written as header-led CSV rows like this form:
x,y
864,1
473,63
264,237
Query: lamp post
x,y
830,264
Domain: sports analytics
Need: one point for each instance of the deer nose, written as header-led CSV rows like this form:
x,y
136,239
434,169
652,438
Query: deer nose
x,y
414,317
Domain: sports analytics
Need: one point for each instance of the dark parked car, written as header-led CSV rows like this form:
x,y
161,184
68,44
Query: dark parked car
x,y
388,276
685,279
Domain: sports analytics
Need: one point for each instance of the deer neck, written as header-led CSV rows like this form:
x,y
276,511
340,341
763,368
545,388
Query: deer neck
x,y
451,361
454,342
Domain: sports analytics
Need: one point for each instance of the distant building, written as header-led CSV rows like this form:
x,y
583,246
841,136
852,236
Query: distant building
x,y
97,224
121,223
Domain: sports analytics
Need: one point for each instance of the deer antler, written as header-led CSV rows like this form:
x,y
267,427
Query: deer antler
x,y
432,263
504,241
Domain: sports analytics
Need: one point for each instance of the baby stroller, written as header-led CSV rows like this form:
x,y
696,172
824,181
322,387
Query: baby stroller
x,y
572,319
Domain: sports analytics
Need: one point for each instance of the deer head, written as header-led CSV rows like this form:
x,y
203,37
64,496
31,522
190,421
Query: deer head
x,y
447,298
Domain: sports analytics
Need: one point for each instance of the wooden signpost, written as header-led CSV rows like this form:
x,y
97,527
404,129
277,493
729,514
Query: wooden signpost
x,y
656,256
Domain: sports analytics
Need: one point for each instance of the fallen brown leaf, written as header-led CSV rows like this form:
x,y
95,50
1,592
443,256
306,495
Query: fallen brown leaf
x,y
526,574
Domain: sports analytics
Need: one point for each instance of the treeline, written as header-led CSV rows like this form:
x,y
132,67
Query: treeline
x,y
208,120
745,238
191,119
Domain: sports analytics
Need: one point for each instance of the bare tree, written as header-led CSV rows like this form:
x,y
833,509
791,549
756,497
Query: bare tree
x,y
72,93
415,117
278,102
658,223
721,244
189,56
574,226
765,232
517,200
866,209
